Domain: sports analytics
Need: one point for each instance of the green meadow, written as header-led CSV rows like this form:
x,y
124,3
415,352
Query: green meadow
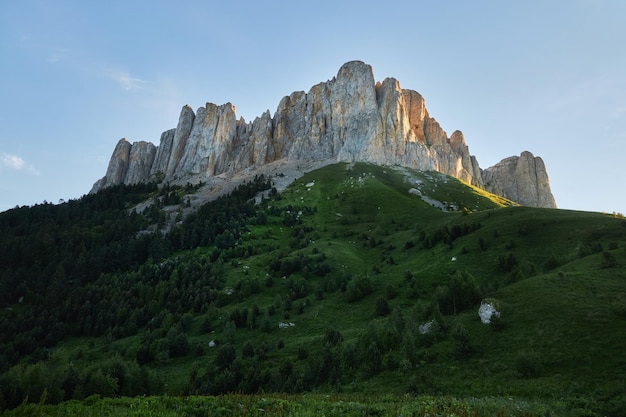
x,y
355,291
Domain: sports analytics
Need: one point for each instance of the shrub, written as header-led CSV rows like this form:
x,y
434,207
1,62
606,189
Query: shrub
x,y
248,350
551,263
303,353
528,364
179,346
507,263
332,337
358,288
390,292
373,360
461,293
226,354
608,260
496,323
382,307
462,343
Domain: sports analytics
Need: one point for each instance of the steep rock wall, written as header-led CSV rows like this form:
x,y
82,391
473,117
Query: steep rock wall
x,y
348,118
523,179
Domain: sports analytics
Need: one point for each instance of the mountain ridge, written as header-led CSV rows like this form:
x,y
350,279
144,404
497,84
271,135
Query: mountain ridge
x,y
350,118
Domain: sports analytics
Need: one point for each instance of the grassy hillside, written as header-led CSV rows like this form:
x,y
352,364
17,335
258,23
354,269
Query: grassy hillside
x,y
307,405
326,287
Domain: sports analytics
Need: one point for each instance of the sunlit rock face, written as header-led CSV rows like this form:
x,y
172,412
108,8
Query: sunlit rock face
x,y
348,118
523,179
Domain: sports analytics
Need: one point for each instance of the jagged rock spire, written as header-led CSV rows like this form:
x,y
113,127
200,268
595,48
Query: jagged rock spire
x,y
348,118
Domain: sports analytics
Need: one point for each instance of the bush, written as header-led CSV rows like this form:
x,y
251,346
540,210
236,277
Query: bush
x,y
507,263
96,382
608,260
248,350
390,292
358,288
303,353
373,360
551,263
382,307
226,355
266,323
332,337
528,364
496,323
459,294
179,346
462,343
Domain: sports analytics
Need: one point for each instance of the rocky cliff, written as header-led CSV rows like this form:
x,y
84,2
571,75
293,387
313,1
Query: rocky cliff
x,y
523,179
348,118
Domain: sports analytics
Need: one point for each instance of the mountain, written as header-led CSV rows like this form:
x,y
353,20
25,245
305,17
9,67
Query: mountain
x,y
350,118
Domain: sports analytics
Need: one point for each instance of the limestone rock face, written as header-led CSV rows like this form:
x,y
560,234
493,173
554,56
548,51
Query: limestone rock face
x,y
140,162
523,179
118,166
210,142
163,153
179,141
348,118
129,164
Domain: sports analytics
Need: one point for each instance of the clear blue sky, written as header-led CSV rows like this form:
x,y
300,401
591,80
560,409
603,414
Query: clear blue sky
x,y
546,76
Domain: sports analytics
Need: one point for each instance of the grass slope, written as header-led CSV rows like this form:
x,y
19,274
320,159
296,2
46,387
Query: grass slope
x,y
237,405
562,302
341,239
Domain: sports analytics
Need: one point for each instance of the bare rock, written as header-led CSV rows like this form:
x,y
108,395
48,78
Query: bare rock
x,y
164,152
179,141
348,118
129,164
118,166
140,160
523,179
210,141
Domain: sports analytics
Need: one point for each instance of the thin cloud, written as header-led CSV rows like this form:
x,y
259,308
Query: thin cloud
x,y
12,161
124,79
17,163
57,55
79,62
618,112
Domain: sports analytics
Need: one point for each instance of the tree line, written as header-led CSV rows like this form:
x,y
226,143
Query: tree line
x,y
65,269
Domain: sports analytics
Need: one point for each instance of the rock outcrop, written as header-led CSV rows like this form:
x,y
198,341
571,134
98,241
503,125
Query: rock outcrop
x,y
129,164
348,118
523,179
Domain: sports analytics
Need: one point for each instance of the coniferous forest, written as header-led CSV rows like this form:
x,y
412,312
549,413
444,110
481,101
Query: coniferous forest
x,y
85,269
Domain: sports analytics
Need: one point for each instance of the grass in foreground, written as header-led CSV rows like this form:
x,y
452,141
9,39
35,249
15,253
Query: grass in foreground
x,y
301,406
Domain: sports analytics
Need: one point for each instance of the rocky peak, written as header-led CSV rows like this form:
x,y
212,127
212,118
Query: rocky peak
x,y
348,118
129,164
523,179
179,140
